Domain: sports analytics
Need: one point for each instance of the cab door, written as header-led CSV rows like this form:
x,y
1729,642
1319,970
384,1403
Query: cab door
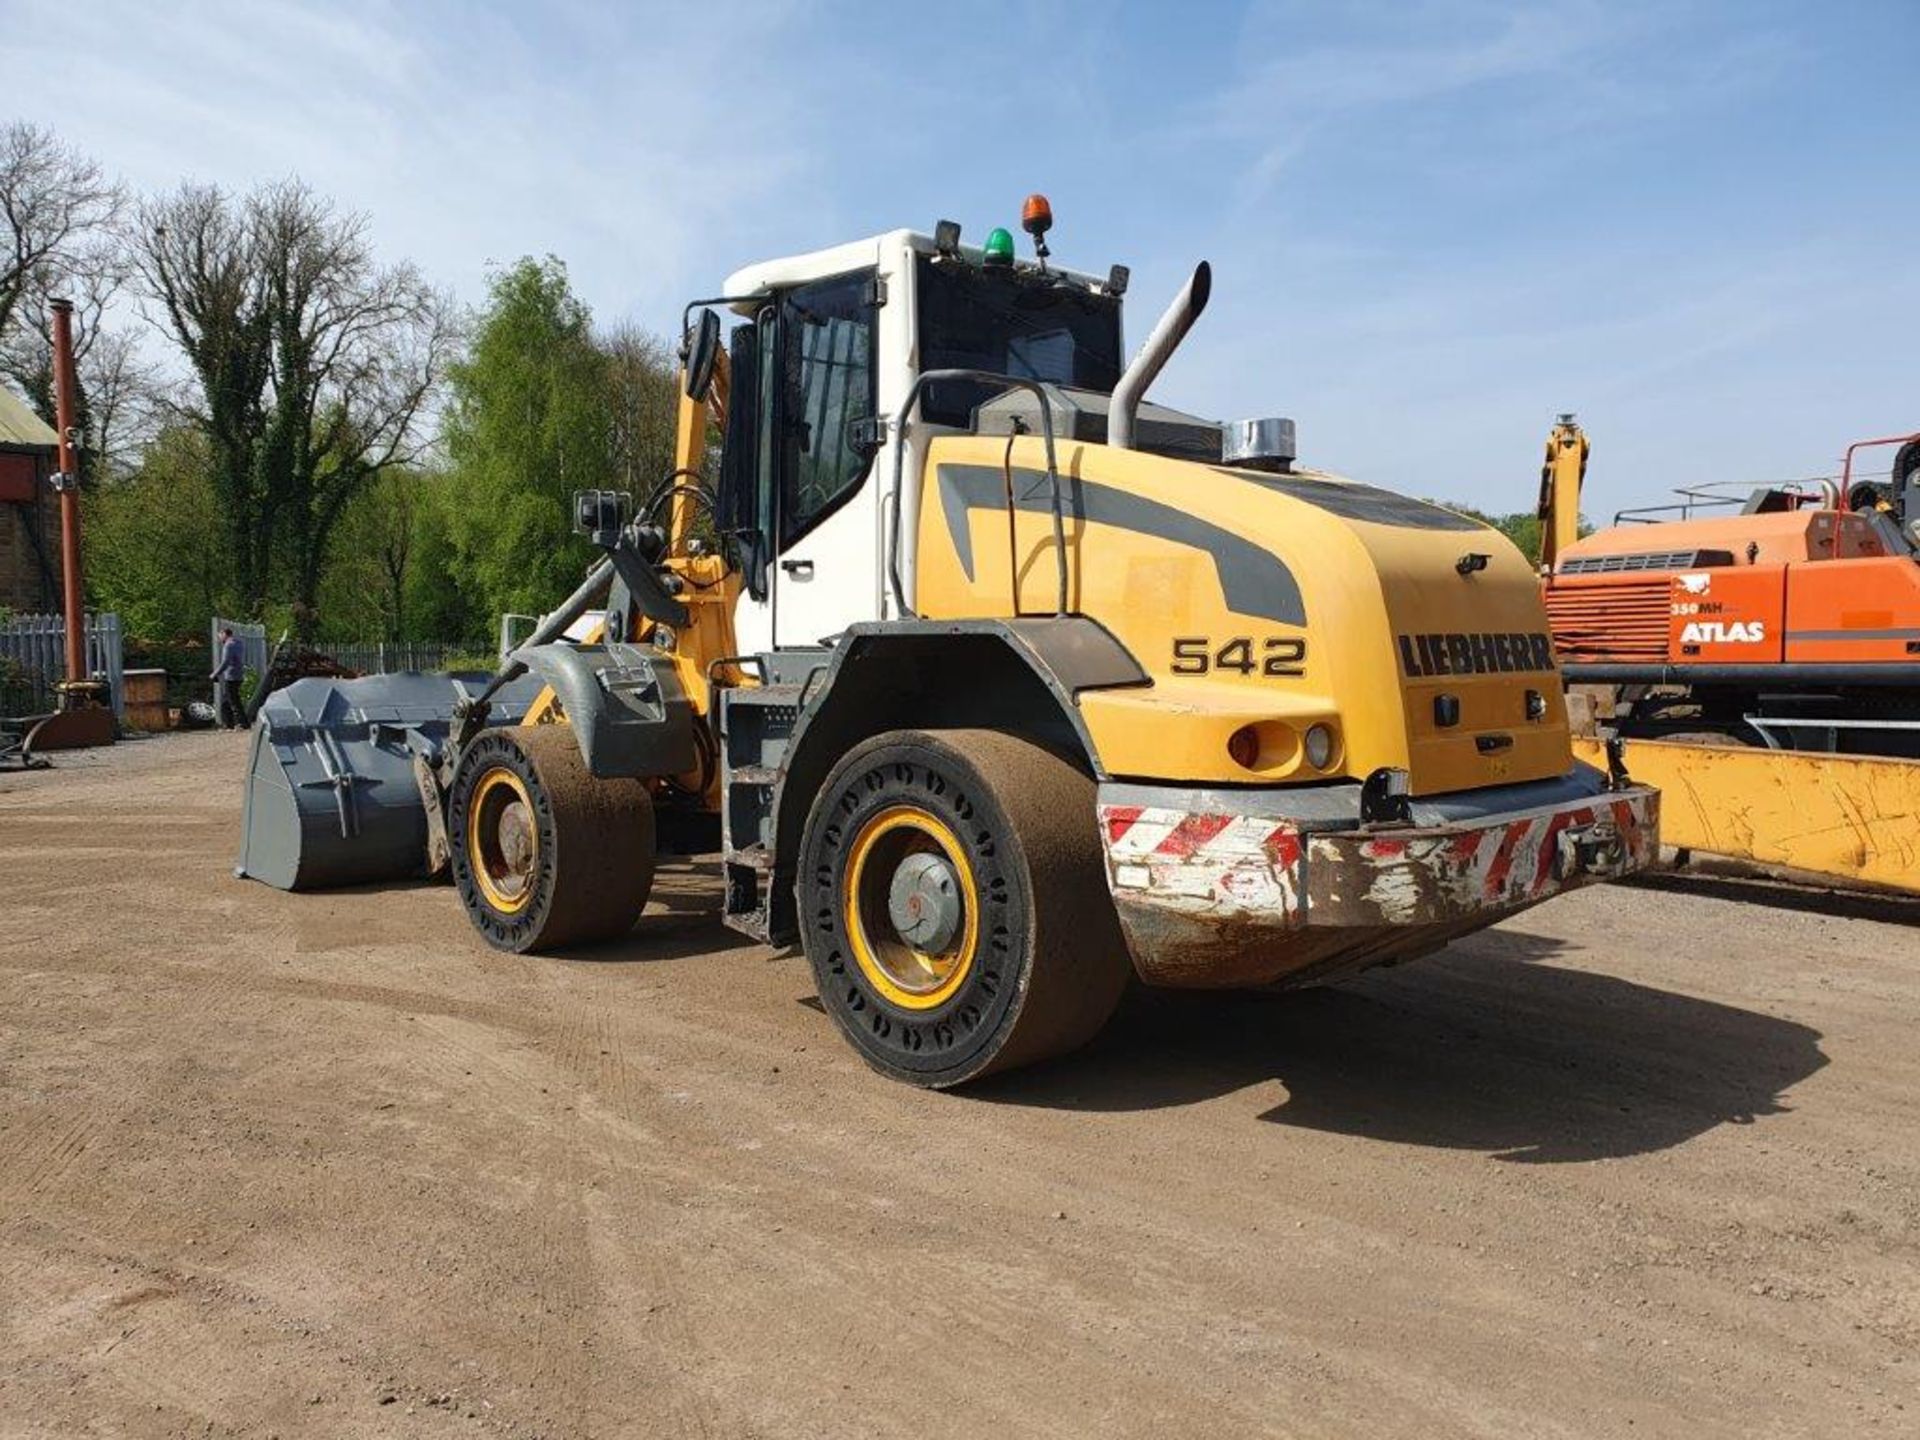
x,y
798,495
825,574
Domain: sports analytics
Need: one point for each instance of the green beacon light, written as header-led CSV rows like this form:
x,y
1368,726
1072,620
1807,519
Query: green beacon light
x,y
999,247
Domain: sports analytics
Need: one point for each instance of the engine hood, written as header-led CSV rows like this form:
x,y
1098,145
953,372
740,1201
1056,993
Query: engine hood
x,y
1413,635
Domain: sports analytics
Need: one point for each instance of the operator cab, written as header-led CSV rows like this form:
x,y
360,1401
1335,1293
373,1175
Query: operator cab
x,y
829,346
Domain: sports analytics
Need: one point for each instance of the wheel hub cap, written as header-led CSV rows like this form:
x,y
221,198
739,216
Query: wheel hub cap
x,y
503,842
910,907
516,841
924,902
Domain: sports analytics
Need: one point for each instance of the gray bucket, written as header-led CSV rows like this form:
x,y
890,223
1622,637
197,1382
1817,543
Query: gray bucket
x,y
331,796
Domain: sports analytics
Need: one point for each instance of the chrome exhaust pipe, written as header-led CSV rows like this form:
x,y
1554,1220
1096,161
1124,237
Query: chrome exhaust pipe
x,y
1153,356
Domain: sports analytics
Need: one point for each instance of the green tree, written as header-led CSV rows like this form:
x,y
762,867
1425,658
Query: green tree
x,y
440,603
394,576
1522,527
156,551
528,424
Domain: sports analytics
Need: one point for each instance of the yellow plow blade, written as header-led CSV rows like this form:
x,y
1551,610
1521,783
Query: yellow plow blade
x,y
1853,817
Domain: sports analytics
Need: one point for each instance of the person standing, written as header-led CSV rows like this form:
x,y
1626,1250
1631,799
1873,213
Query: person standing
x,y
226,677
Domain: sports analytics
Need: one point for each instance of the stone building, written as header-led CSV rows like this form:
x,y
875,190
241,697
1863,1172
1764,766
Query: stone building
x,y
29,510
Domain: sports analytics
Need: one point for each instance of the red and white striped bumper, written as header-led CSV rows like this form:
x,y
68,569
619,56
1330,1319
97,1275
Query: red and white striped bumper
x,y
1210,898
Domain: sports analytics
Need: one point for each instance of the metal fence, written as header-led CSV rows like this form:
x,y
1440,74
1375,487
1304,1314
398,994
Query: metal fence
x,y
37,644
386,658
368,657
24,692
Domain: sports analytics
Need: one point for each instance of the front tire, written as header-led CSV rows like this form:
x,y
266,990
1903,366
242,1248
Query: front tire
x,y
954,906
544,854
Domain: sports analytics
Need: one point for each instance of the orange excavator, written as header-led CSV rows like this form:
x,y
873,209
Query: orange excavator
x,y
1758,651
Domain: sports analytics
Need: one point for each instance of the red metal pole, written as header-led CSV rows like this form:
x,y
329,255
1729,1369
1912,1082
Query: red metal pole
x,y
68,484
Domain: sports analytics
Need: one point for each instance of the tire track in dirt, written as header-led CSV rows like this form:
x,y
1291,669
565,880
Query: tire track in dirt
x,y
292,986
569,1294
527,1079
35,1157
658,1327
190,1344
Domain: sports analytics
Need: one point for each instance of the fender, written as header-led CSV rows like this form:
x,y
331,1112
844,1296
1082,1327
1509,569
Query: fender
x,y
1066,654
626,706
1016,674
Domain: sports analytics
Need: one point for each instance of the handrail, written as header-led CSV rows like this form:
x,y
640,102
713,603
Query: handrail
x,y
1828,492
1846,465
1705,496
1645,514
987,377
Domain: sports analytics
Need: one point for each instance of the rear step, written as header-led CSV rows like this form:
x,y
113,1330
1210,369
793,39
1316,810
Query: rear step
x,y
756,726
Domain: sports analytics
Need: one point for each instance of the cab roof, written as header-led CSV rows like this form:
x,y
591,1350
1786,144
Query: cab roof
x,y
766,276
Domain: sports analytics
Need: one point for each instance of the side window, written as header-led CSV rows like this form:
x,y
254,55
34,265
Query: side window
x,y
766,453
828,339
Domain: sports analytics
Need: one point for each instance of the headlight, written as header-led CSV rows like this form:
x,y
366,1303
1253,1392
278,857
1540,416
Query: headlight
x,y
1319,746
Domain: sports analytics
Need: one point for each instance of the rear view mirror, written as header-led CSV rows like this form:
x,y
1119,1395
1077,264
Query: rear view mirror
x,y
701,350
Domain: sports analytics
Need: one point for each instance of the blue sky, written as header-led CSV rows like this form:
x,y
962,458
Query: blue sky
x,y
1433,225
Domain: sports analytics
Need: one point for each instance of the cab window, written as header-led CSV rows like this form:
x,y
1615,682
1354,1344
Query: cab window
x,y
1009,323
828,339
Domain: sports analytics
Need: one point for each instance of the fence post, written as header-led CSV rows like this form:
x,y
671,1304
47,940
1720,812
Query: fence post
x,y
103,631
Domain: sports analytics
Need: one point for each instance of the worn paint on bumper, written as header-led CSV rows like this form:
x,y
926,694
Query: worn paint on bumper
x,y
1210,899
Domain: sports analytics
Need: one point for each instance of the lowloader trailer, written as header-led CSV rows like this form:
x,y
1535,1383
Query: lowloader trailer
x,y
1001,687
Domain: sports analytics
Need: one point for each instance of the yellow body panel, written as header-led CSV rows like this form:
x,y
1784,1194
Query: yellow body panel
x,y
1363,585
1854,817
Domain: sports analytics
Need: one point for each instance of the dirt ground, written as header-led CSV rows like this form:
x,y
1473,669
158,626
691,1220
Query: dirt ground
x,y
1643,1161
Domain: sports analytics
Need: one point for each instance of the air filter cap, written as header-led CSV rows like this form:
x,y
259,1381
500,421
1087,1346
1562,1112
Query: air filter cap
x,y
1265,444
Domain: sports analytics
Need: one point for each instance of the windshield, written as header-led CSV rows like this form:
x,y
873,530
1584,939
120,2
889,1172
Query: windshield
x,y
1012,324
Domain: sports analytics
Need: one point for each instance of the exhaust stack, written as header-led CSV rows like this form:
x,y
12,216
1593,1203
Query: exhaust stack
x,y
1153,356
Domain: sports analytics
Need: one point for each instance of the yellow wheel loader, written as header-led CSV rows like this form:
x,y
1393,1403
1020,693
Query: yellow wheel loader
x,y
1001,686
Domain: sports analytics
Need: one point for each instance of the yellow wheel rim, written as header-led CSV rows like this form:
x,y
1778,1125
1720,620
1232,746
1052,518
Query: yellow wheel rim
x,y
909,976
503,841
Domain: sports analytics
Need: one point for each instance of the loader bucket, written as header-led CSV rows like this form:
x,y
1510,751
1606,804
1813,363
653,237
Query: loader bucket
x,y
331,796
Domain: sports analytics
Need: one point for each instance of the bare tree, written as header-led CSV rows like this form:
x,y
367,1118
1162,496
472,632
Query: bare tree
x,y
198,261
117,386
53,200
312,365
643,399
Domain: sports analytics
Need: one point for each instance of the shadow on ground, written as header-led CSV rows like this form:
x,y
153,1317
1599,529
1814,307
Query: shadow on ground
x,y
1481,1048
1780,895
682,919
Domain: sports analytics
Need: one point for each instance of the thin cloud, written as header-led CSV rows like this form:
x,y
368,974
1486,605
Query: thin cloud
x,y
1433,224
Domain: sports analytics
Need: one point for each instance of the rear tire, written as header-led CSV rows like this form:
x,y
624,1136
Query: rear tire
x,y
1018,955
544,854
